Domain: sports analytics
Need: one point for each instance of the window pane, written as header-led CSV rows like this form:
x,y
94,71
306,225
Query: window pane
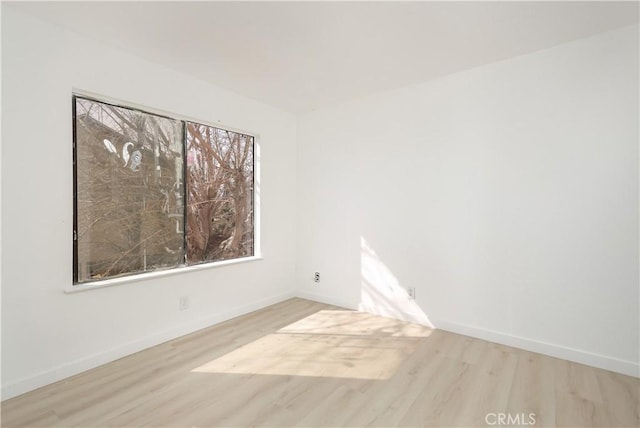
x,y
219,194
129,191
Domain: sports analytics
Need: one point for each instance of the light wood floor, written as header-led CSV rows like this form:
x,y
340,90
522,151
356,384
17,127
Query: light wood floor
x,y
301,363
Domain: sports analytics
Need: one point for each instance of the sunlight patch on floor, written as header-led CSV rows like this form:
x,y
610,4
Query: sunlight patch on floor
x,y
329,343
355,323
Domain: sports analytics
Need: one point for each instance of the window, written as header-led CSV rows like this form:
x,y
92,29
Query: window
x,y
153,192
220,194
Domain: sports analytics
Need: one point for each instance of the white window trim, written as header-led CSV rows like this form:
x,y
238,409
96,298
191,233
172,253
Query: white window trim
x,y
156,274
257,208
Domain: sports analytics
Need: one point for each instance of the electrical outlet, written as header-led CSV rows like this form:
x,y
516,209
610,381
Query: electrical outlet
x,y
316,277
184,303
411,291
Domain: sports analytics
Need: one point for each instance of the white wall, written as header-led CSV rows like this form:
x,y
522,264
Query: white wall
x,y
507,195
46,334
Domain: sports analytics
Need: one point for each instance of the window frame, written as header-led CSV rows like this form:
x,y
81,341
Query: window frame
x,y
184,265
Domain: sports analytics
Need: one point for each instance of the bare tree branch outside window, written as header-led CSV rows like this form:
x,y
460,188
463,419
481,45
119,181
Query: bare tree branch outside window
x,y
220,194
130,186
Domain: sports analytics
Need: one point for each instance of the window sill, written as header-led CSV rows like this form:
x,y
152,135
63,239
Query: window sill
x,y
150,275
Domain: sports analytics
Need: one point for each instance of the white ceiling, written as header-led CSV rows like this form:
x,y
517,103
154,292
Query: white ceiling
x,y
299,56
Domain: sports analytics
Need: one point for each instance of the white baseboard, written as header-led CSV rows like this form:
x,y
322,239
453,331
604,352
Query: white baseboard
x,y
55,374
625,367
605,362
82,364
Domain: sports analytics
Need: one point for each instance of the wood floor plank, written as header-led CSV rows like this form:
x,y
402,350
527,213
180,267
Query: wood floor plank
x,y
577,379
578,411
302,363
389,401
533,389
621,398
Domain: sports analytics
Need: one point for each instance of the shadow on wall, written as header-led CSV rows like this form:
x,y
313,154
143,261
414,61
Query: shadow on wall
x,y
381,292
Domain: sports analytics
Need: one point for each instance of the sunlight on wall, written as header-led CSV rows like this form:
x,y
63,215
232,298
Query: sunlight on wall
x,y
381,292
329,343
